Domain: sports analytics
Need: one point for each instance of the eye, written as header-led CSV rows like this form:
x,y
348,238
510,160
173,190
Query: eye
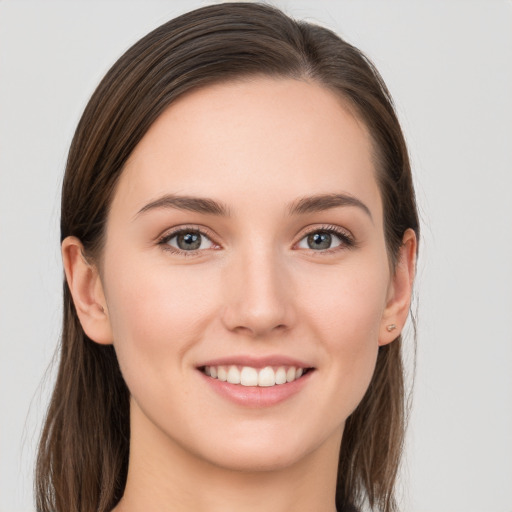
x,y
187,240
325,239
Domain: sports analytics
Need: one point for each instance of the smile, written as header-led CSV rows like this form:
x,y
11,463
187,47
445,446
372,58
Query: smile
x,y
249,376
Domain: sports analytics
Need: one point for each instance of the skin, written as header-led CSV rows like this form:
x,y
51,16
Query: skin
x,y
255,288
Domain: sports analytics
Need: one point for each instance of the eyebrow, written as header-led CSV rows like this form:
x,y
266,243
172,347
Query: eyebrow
x,y
308,204
189,203
321,202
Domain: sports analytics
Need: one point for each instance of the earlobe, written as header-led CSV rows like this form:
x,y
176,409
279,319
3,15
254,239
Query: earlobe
x,y
400,291
87,291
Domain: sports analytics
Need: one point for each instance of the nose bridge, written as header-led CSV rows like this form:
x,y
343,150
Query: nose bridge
x,y
258,292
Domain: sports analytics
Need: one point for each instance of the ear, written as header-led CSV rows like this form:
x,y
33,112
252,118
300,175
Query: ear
x,y
400,291
87,291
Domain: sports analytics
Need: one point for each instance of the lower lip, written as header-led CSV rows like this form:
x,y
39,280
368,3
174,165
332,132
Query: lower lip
x,y
256,396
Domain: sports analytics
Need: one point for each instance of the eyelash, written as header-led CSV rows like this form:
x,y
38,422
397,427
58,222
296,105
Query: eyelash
x,y
163,241
347,241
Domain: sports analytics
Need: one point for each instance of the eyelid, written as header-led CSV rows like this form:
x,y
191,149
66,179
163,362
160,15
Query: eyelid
x,y
170,233
347,239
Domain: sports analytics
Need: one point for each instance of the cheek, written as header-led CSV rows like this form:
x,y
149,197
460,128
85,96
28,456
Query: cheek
x,y
345,313
347,303
156,315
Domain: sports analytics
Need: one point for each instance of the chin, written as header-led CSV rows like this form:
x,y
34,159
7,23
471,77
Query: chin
x,y
260,453
255,460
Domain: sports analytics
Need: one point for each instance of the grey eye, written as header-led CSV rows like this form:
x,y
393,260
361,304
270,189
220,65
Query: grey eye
x,y
320,241
190,241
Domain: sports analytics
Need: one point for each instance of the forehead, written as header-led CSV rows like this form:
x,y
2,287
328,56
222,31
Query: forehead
x,y
259,139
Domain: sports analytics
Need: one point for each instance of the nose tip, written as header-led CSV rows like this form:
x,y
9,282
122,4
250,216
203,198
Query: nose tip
x,y
255,328
259,300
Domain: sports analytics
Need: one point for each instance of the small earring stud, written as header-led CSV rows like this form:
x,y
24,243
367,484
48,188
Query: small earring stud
x,y
391,327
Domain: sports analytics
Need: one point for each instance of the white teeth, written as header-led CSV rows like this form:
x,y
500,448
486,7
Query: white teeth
x,y
222,373
266,377
233,375
280,375
248,376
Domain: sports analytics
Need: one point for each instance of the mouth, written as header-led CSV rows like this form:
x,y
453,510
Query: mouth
x,y
249,376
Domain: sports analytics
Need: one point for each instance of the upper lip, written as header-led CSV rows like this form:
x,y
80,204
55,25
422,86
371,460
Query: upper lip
x,y
256,362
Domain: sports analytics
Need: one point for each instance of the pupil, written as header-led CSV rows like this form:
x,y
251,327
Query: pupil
x,y
189,241
319,241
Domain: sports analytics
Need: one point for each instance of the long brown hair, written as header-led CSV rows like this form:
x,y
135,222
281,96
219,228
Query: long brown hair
x,y
83,454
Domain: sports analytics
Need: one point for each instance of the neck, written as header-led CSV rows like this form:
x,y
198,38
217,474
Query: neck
x,y
164,476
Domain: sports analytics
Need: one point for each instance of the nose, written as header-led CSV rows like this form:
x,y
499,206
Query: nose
x,y
259,295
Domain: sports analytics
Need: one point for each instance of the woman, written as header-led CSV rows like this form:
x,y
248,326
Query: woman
x,y
239,234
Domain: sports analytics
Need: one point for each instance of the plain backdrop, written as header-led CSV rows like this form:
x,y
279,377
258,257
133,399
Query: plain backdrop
x,y
448,65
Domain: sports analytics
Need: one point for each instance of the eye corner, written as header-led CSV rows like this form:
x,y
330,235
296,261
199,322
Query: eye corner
x,y
195,243
330,233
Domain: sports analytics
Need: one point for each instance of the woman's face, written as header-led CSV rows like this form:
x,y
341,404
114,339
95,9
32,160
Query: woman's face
x,y
245,241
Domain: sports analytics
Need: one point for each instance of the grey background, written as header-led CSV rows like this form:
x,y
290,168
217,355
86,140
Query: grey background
x,y
448,65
